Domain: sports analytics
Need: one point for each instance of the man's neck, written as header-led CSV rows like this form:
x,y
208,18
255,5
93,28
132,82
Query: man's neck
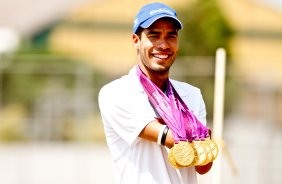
x,y
158,78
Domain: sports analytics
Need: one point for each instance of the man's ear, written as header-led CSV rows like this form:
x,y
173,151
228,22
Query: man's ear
x,y
136,41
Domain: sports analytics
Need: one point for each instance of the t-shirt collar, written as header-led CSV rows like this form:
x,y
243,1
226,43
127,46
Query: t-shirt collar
x,y
139,87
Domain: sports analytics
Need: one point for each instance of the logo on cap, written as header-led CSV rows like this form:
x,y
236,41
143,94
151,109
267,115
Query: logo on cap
x,y
149,13
161,10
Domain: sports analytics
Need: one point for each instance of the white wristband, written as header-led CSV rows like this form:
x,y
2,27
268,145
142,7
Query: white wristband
x,y
160,134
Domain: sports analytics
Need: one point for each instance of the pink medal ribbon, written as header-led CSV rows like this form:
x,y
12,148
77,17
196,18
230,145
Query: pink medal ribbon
x,y
194,128
174,112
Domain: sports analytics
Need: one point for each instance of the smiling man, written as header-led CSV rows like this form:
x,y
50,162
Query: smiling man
x,y
135,107
157,48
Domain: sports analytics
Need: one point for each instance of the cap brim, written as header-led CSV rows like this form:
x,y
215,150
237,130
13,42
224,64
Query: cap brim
x,y
153,19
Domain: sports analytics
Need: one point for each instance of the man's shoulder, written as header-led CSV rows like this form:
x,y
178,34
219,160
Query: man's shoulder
x,y
117,84
184,87
126,85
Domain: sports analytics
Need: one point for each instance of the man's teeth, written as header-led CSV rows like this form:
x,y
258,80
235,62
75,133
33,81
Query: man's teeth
x,y
161,56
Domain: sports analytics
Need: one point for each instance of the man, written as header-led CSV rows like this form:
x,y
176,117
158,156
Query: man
x,y
133,126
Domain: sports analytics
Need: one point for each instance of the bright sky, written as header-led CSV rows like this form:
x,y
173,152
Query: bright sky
x,y
277,4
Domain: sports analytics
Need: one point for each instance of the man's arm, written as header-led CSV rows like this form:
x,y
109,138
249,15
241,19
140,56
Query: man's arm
x,y
151,132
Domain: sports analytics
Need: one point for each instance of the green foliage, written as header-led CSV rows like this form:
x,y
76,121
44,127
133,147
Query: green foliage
x,y
21,88
26,77
205,29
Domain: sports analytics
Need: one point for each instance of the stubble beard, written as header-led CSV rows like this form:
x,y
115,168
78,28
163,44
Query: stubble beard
x,y
154,67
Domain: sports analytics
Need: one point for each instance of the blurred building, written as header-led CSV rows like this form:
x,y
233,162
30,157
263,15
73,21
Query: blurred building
x,y
98,35
30,17
55,107
105,43
258,42
101,35
256,52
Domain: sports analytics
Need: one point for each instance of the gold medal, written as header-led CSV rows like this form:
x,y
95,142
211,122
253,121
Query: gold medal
x,y
183,153
209,152
200,152
171,159
214,148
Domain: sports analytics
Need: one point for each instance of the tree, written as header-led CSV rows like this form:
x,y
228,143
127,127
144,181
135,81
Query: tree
x,y
206,29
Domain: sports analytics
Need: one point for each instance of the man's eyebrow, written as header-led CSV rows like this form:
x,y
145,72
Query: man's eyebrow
x,y
158,32
173,32
153,32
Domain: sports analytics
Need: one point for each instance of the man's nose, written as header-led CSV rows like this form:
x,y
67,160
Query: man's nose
x,y
163,44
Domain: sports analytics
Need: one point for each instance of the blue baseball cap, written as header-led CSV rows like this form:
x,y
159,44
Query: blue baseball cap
x,y
149,13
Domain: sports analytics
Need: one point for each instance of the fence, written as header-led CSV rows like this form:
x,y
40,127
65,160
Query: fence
x,y
51,94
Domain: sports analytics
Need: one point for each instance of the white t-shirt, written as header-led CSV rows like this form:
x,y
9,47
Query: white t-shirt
x,y
126,110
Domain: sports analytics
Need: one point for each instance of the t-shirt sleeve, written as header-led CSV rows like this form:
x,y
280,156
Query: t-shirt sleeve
x,y
202,113
124,114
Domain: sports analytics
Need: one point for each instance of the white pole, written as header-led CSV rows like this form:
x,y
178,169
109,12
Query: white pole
x,y
218,114
9,42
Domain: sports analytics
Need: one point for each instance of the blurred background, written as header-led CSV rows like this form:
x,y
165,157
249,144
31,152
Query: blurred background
x,y
55,55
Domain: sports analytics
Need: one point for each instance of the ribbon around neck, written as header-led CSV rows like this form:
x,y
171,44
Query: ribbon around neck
x,y
175,113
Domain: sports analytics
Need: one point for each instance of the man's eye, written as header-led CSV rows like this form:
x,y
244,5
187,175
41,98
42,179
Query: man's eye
x,y
172,36
153,36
